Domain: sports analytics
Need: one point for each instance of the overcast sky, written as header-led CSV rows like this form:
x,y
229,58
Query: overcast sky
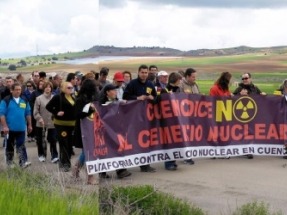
x,y
47,27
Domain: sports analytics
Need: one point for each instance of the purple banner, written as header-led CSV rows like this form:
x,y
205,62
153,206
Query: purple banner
x,y
182,126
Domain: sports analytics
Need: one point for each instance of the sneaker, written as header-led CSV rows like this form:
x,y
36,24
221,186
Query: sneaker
x,y
26,164
123,174
147,168
42,159
29,139
189,161
171,168
55,160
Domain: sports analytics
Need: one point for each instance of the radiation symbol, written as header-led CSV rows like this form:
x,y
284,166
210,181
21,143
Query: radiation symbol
x,y
245,109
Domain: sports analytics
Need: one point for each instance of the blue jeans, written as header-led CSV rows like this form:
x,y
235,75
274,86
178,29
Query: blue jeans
x,y
82,158
18,138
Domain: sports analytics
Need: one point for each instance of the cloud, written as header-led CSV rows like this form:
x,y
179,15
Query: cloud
x,y
46,27
203,3
191,28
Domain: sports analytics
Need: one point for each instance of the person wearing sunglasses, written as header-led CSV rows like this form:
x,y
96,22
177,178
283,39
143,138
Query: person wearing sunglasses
x,y
62,106
246,87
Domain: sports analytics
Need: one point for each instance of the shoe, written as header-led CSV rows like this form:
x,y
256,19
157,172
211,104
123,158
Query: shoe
x,y
285,157
147,168
42,159
29,139
171,168
104,175
55,160
249,156
227,157
33,139
189,161
26,164
123,174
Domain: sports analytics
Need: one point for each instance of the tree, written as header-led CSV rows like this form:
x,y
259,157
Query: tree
x,y
12,67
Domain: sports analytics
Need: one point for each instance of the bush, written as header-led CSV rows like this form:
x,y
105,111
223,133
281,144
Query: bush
x,y
12,67
255,208
54,58
143,200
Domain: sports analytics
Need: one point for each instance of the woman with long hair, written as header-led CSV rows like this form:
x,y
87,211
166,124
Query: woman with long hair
x,y
221,86
62,107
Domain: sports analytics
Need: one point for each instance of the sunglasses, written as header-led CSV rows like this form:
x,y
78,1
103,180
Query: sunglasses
x,y
244,79
29,85
69,88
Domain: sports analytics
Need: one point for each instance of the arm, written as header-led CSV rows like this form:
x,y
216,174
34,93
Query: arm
x,y
3,110
53,105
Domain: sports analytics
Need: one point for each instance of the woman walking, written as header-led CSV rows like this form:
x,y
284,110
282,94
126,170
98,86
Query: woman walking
x,y
62,107
44,124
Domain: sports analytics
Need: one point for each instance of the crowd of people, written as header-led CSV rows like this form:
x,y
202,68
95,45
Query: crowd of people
x,y
49,109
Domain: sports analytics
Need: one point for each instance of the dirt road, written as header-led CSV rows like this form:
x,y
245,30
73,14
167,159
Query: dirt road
x,y
218,186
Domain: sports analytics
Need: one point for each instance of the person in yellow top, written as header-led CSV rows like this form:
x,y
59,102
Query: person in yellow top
x,y
62,107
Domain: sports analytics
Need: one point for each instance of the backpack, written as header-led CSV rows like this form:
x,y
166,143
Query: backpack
x,y
7,100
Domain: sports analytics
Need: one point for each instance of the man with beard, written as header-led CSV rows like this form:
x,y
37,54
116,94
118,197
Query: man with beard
x,y
141,89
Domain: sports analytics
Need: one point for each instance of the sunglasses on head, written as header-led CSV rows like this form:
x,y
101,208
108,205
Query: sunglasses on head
x,y
244,78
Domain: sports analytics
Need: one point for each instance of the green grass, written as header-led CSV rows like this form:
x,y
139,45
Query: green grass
x,y
24,193
255,208
143,200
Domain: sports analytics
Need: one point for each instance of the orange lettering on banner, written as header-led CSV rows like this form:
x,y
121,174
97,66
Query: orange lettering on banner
x,y
260,131
213,134
184,132
176,134
165,109
123,144
272,132
283,132
149,112
247,136
175,107
164,135
224,133
186,107
153,137
143,139
236,132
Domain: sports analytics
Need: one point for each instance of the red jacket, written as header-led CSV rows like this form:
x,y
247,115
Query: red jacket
x,y
216,90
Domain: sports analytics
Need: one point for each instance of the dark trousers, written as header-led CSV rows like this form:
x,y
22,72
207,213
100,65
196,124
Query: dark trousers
x,y
65,138
52,140
33,132
18,138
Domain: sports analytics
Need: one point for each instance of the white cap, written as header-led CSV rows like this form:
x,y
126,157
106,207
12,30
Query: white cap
x,y
162,73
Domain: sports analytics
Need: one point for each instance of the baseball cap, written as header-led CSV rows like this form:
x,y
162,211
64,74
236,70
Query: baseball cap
x,y
109,87
162,73
118,76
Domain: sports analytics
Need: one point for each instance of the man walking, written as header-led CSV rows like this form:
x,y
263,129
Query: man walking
x,y
15,113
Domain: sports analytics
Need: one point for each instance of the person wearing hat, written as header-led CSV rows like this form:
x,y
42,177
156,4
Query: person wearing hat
x,y
108,95
118,82
162,81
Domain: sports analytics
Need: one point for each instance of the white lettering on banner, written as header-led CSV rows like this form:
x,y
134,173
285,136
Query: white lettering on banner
x,y
110,164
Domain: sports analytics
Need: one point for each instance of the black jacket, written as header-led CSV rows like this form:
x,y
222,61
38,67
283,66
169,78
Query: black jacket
x,y
136,88
80,104
251,89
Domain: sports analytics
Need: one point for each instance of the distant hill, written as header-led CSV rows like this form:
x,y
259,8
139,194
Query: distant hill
x,y
162,51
